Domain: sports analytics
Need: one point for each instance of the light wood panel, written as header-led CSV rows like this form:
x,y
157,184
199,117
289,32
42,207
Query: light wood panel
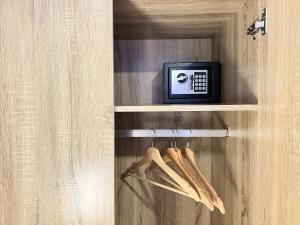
x,y
146,11
138,66
256,171
140,203
170,27
56,132
229,159
186,108
232,165
172,19
138,81
279,125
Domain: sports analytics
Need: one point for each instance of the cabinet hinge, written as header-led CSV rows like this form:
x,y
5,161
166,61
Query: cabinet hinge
x,y
259,25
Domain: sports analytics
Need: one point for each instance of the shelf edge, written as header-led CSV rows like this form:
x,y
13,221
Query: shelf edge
x,y
187,108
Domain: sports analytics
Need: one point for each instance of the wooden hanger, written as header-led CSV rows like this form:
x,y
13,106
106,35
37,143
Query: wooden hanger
x,y
189,155
161,185
153,155
174,155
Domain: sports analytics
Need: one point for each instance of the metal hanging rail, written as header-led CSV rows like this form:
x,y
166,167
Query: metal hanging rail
x,y
172,133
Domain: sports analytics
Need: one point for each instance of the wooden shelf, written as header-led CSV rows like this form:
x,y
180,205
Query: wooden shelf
x,y
186,108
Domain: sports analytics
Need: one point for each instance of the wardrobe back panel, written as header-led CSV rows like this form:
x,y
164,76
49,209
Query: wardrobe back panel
x,y
138,81
138,66
142,204
225,162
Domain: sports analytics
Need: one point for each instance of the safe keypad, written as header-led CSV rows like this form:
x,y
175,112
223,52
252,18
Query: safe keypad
x,y
200,82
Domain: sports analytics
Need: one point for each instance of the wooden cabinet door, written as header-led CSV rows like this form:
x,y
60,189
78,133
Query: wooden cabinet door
x,y
279,117
56,112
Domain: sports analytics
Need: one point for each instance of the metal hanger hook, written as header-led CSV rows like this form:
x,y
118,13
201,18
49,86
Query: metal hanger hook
x,y
152,143
188,142
175,138
174,141
177,135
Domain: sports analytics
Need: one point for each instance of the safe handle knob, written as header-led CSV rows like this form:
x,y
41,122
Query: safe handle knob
x,y
182,78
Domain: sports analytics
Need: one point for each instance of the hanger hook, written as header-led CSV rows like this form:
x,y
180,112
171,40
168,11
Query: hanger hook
x,y
173,139
188,142
152,143
177,133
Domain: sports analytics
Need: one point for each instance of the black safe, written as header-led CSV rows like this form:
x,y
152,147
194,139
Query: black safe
x,y
196,82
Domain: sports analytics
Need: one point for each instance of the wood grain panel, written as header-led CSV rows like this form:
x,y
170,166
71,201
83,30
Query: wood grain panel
x,y
232,157
279,115
172,19
140,203
170,27
138,81
138,66
256,171
147,10
186,108
56,132
237,155
230,161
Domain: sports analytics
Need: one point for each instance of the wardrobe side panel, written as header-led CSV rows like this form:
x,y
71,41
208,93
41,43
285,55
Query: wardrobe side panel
x,y
234,158
56,119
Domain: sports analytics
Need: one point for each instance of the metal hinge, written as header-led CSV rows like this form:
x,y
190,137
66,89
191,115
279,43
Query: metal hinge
x,y
259,25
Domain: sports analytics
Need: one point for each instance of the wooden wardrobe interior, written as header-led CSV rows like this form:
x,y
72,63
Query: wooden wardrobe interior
x,y
60,163
149,33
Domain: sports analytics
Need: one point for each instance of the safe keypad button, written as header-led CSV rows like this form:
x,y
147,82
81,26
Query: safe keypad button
x,y
200,82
